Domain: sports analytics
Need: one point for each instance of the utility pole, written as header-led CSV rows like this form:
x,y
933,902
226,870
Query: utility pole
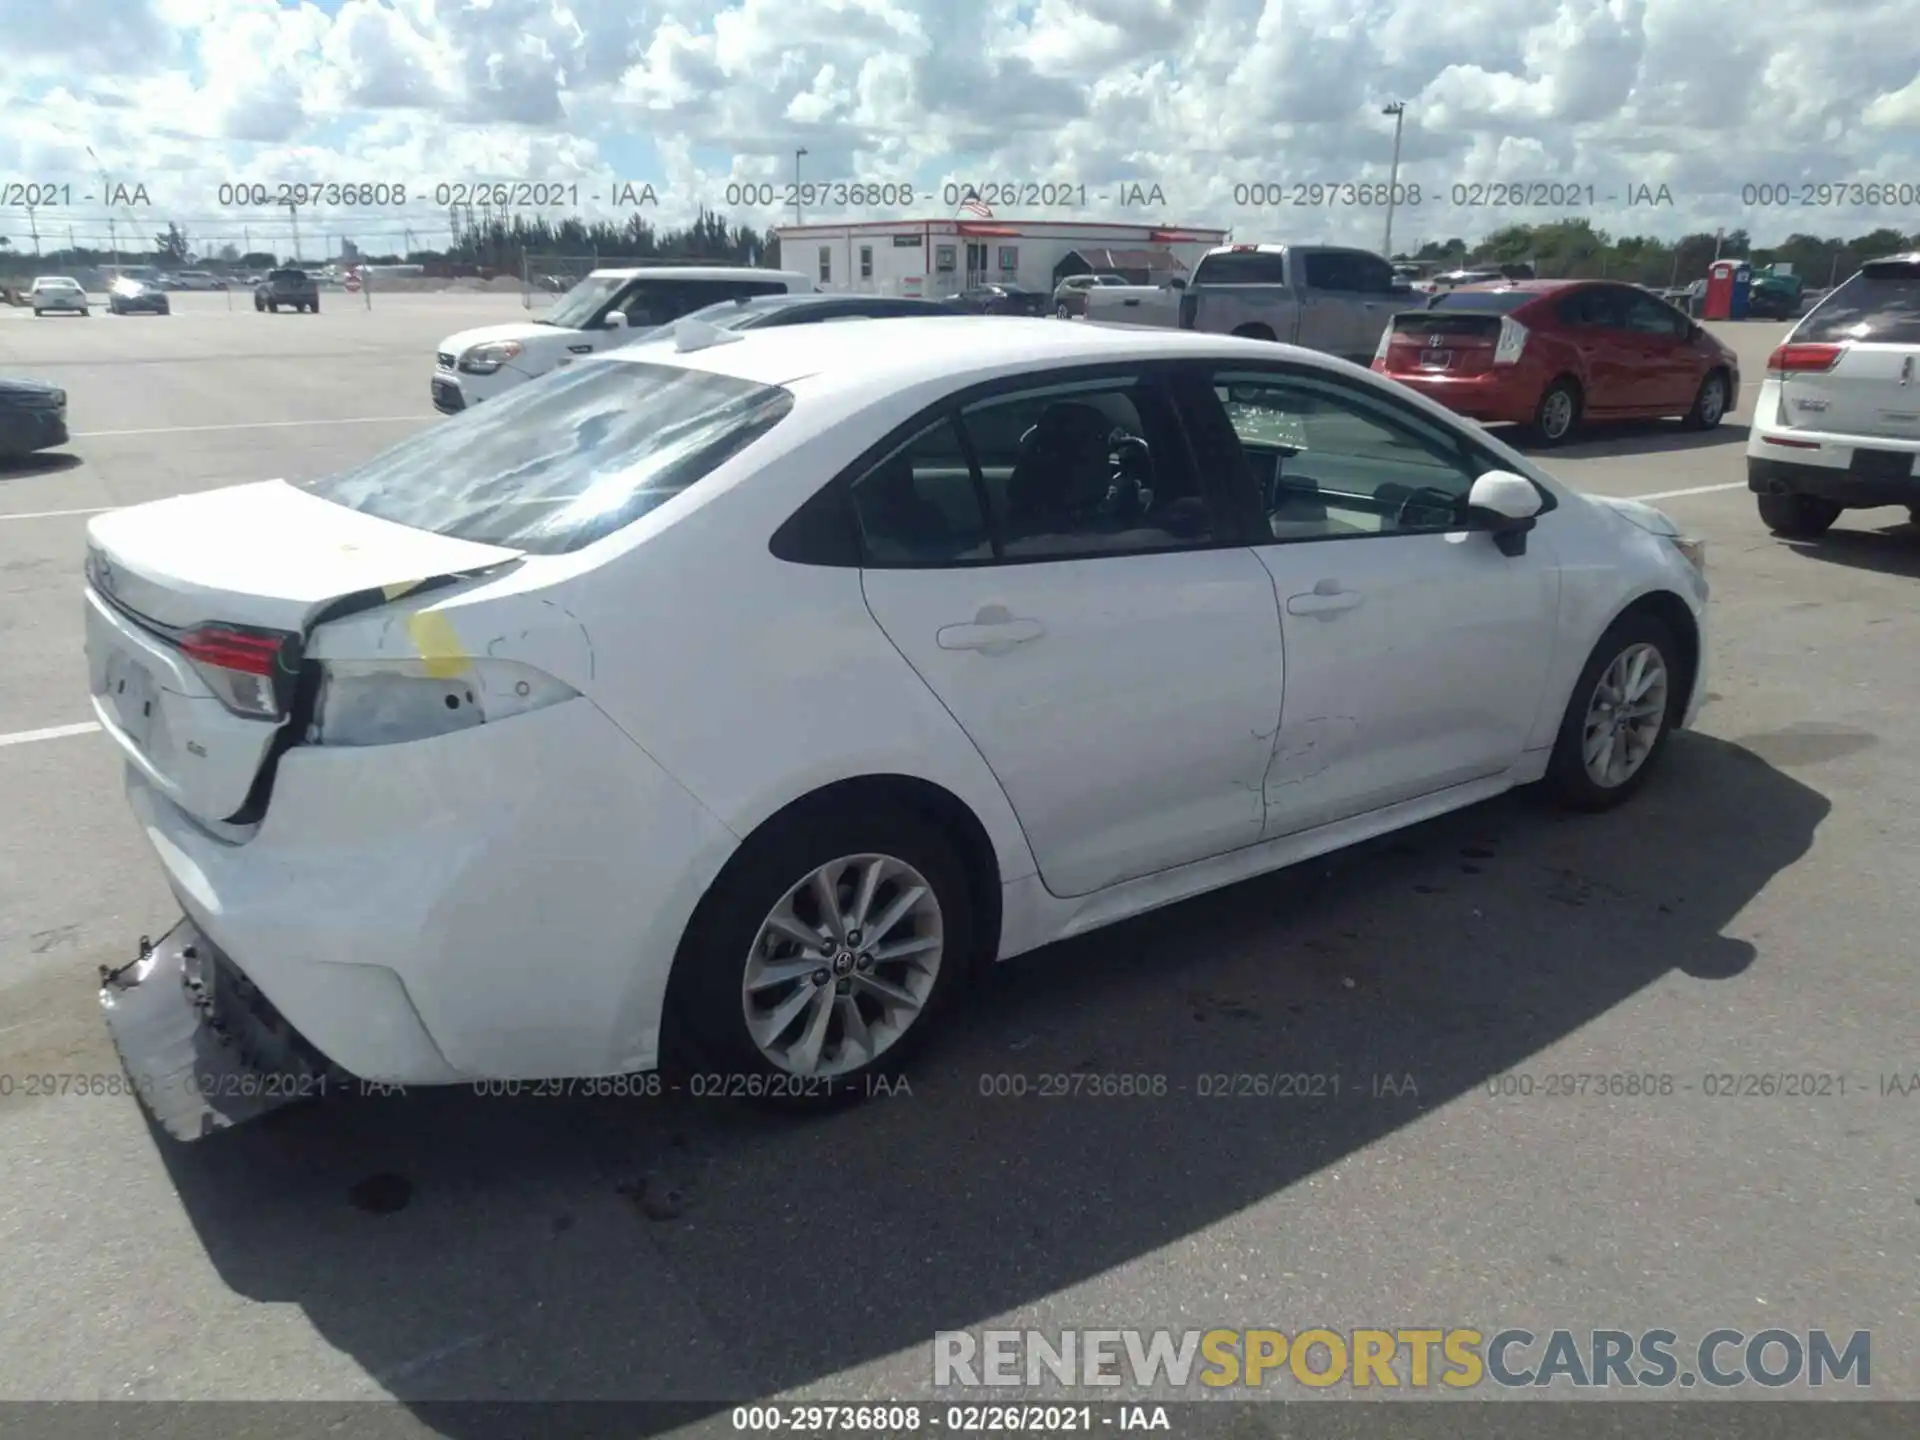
x,y
799,214
293,216
1398,110
33,226
106,199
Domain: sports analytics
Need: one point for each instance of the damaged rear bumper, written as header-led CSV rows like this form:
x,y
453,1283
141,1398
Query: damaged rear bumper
x,y
204,1048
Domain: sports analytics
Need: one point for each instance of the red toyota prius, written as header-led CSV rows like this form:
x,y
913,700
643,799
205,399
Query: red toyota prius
x,y
1554,354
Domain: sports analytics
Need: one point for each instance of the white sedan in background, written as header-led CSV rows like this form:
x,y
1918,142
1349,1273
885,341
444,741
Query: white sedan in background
x,y
58,295
751,691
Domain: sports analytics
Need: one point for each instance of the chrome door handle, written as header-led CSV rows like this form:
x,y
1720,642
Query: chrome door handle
x,y
1324,602
996,635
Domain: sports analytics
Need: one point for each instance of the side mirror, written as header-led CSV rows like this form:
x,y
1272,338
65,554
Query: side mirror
x,y
1176,283
1506,505
616,320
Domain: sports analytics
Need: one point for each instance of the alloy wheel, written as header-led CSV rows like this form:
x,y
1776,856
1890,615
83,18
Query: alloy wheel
x,y
1713,401
1556,415
1625,716
843,965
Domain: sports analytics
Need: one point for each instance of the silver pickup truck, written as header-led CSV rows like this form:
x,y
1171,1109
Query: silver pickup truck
x,y
1324,297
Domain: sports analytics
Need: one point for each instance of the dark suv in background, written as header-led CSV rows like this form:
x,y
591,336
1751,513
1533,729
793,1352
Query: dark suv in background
x,y
293,288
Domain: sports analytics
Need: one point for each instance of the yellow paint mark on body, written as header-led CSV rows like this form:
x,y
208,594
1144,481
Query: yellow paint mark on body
x,y
394,592
434,637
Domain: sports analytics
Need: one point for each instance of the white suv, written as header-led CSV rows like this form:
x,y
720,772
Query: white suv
x,y
1837,424
606,309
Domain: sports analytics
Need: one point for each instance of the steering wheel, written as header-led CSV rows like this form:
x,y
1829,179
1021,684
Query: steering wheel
x,y
1427,498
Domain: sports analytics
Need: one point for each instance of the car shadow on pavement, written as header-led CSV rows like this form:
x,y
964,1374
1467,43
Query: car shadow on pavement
x,y
1626,437
465,1249
45,462
1888,549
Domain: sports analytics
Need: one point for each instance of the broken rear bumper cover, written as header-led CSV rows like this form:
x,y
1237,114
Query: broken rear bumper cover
x,y
204,1048
449,910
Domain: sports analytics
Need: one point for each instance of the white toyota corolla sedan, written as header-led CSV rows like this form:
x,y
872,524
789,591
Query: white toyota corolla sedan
x,y
750,692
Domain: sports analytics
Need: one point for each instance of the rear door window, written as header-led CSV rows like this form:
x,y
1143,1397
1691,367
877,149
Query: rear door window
x,y
1331,270
1879,306
1593,308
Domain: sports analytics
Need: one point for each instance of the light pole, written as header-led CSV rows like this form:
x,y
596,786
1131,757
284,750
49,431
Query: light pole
x,y
1398,110
106,198
799,216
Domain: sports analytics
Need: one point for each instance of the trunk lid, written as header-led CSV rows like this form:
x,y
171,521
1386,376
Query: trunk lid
x,y
1442,342
197,612
1852,367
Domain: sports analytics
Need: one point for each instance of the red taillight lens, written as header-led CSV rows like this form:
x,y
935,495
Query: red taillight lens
x,y
239,667
1803,359
232,650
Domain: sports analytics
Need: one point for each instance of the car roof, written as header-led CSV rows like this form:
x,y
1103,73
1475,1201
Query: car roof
x,y
699,272
963,348
1531,287
54,280
805,299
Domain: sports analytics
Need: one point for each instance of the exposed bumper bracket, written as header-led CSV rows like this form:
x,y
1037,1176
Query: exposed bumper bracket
x,y
204,1048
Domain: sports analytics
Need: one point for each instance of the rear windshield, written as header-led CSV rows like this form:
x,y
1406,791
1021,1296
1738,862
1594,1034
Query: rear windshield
x,y
1879,306
294,275
1485,302
1242,267
563,460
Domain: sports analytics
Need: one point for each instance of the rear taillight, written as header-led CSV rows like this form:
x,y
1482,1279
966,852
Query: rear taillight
x,y
241,667
1512,341
1791,359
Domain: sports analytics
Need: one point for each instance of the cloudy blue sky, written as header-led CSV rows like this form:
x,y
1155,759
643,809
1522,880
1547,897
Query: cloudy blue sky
x,y
1706,98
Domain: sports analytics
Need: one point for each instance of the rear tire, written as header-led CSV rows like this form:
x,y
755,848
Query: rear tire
x,y
1592,735
1798,517
706,993
273,307
1557,416
313,307
1710,405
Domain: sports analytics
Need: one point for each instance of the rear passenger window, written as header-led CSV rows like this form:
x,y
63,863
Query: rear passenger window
x,y
1084,470
1331,270
919,506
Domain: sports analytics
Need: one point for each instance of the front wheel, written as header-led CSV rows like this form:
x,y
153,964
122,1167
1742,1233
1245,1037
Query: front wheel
x,y
1061,310
823,956
1622,710
1798,517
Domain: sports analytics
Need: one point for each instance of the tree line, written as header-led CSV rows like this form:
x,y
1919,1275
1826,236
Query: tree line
x,y
1567,249
1574,249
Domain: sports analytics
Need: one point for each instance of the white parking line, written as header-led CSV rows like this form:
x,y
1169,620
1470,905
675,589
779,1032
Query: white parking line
x,y
1695,490
254,425
57,732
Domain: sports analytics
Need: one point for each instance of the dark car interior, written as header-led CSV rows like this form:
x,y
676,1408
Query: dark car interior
x,y
1063,476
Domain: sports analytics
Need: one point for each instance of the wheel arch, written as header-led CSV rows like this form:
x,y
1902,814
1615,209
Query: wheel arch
x,y
931,803
1678,617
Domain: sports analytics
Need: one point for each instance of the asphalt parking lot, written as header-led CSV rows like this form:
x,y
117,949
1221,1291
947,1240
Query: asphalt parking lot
x,y
1752,913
